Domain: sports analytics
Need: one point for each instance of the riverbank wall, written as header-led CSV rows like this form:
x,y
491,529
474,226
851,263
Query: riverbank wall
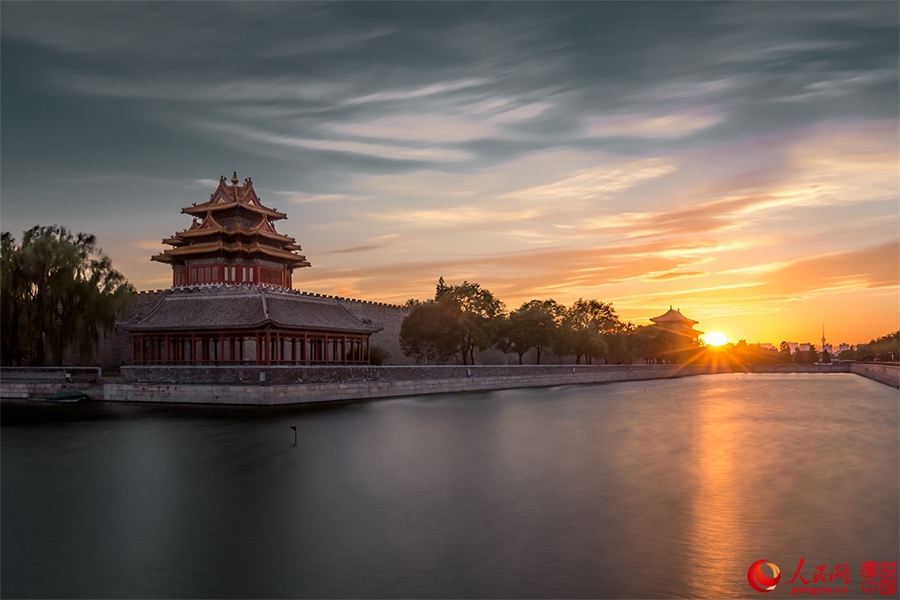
x,y
40,382
299,385
886,374
275,385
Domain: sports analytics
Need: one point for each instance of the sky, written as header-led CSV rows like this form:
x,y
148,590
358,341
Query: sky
x,y
738,161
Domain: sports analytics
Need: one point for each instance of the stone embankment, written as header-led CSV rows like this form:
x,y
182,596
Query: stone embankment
x,y
40,382
270,385
886,374
297,385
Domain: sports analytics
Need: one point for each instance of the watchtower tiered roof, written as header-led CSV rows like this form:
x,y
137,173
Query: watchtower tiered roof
x,y
672,320
232,240
231,300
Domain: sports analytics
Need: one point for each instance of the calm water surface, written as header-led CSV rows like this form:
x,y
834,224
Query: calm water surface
x,y
628,490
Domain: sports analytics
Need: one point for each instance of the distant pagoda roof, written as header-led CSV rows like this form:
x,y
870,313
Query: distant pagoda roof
x,y
672,320
246,307
673,316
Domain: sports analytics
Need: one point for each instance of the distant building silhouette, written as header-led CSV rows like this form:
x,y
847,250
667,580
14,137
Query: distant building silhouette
x,y
675,322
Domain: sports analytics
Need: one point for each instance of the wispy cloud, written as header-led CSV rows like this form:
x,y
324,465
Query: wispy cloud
x,y
392,152
673,125
422,92
455,217
355,249
739,157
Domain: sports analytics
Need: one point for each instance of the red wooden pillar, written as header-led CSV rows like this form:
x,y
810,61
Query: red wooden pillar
x,y
268,347
279,348
193,349
261,348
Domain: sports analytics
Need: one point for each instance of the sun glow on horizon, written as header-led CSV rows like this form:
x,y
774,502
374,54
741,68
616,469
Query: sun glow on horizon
x,y
715,338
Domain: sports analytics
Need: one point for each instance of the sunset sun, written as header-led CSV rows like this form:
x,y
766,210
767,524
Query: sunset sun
x,y
715,338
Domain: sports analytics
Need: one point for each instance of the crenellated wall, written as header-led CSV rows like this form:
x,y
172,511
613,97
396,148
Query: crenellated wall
x,y
389,316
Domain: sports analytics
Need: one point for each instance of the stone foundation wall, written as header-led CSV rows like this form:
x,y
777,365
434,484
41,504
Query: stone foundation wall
x,y
39,382
886,374
378,382
87,375
296,375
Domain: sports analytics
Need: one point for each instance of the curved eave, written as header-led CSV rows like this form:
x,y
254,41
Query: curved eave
x,y
189,237
201,209
681,319
172,254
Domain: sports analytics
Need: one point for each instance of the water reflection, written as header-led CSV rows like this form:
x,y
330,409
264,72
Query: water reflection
x,y
634,490
718,502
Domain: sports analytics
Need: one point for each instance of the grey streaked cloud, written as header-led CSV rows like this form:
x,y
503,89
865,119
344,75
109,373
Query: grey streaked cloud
x,y
639,144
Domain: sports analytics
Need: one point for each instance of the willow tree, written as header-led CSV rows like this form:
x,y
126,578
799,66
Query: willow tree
x,y
57,292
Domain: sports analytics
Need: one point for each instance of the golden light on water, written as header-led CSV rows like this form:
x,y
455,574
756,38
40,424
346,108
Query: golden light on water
x,y
717,537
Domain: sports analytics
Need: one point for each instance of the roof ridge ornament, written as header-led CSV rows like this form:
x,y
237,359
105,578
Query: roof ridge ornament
x,y
234,179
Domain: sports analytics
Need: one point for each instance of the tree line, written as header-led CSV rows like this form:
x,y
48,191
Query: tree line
x,y
465,317
883,349
58,292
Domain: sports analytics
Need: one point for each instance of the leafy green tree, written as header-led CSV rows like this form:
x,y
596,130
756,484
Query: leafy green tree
x,y
806,357
478,315
886,348
532,325
582,329
430,332
58,292
784,353
621,345
378,355
849,354
655,345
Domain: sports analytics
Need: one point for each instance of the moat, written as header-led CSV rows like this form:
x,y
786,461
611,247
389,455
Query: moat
x,y
663,488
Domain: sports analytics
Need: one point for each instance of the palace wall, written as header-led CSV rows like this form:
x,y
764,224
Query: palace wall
x,y
114,350
389,316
